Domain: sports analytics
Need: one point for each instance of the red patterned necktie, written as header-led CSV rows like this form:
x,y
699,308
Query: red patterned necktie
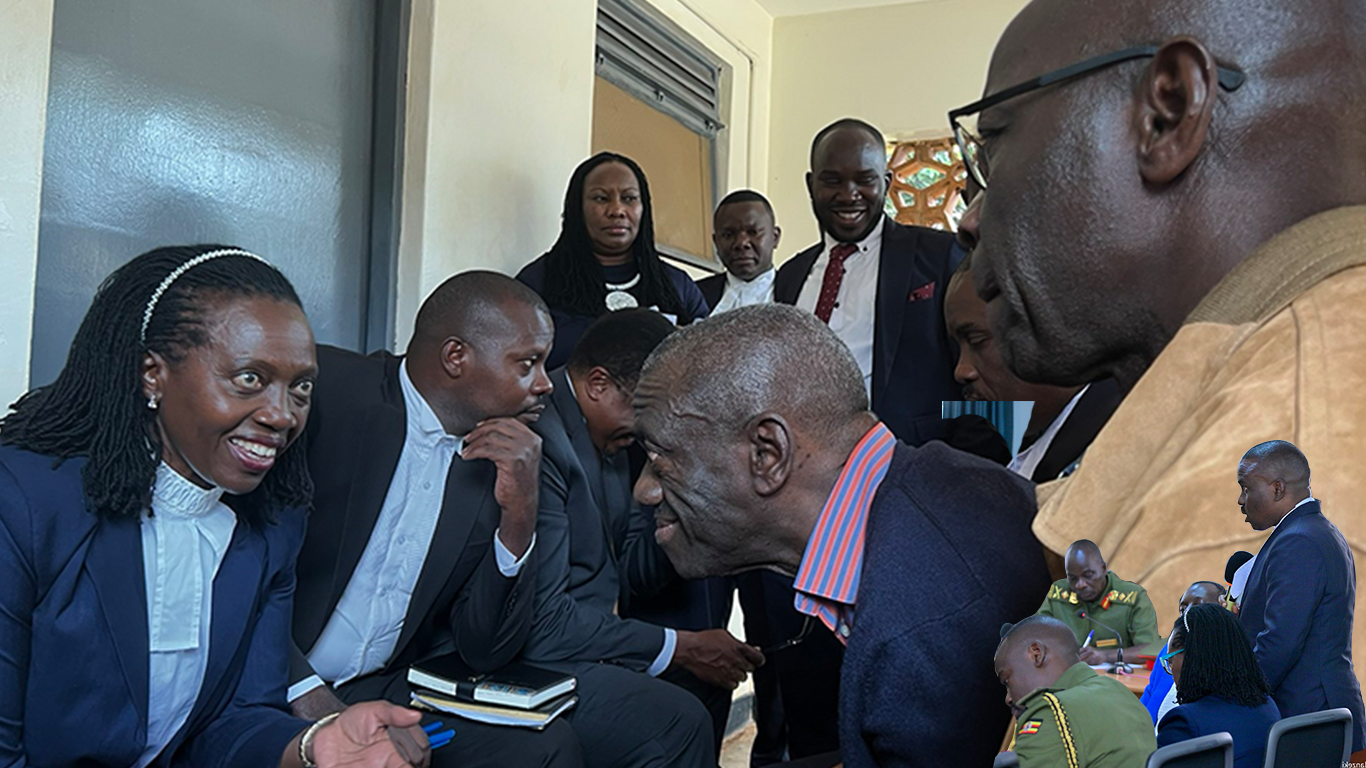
x,y
830,284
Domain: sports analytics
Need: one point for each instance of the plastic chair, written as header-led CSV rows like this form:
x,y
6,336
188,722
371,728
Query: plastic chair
x,y
1006,760
1313,740
1212,751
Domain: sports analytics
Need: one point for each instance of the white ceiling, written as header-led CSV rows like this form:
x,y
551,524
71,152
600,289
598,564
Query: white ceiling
x,y
803,7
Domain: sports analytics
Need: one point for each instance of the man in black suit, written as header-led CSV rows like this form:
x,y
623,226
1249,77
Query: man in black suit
x,y
745,235
1298,603
879,285
422,532
763,454
1063,421
592,558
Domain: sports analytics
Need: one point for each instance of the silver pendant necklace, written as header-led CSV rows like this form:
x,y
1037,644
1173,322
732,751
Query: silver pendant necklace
x,y
617,296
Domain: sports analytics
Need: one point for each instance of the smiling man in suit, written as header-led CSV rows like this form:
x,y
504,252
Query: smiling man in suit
x,y
421,539
1298,604
878,284
595,553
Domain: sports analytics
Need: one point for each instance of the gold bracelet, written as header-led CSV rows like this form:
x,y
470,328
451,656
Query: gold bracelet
x,y
307,739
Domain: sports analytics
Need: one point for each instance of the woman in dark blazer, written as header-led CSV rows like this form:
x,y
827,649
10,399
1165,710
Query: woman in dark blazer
x,y
150,512
1219,685
605,257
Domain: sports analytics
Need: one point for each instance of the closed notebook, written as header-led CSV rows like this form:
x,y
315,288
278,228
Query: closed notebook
x,y
516,685
535,719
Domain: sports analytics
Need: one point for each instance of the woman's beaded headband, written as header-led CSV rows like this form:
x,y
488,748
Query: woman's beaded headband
x,y
180,270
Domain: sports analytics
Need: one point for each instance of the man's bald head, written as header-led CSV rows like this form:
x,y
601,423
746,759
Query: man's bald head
x,y
769,357
1087,574
1159,179
478,350
471,305
1033,654
1273,478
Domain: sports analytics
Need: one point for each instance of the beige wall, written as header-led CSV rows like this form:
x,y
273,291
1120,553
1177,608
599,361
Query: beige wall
x,y
25,37
901,68
499,113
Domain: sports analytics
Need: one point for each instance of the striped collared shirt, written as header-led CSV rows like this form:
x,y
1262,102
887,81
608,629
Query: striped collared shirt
x,y
827,582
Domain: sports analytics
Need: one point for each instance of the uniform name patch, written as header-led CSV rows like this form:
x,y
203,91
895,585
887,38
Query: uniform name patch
x,y
1030,727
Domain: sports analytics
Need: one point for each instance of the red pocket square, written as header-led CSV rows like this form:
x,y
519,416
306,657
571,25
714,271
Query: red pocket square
x,y
922,293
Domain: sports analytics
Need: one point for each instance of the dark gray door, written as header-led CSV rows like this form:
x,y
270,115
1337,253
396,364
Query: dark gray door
x,y
185,121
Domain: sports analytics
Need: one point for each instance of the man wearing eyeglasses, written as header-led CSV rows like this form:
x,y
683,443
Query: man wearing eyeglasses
x,y
1177,201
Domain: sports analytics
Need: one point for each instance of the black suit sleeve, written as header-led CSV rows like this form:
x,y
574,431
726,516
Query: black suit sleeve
x,y
491,619
644,568
564,628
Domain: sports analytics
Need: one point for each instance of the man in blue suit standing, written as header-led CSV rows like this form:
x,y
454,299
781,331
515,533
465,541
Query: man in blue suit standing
x,y
1297,606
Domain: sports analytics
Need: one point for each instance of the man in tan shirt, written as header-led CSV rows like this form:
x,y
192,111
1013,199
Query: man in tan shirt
x,y
1182,210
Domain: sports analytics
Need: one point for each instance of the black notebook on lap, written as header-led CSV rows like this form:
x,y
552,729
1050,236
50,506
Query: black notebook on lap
x,y
522,686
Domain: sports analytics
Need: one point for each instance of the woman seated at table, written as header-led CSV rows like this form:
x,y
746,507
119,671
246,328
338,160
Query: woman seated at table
x,y
1219,685
150,511
605,257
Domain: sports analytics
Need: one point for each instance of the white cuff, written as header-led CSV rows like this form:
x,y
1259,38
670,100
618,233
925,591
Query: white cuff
x,y
666,654
303,686
509,564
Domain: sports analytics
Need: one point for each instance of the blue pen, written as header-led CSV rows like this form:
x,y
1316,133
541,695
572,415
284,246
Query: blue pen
x,y
431,728
1088,639
442,739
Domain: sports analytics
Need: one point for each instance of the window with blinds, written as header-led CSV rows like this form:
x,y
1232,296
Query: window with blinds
x,y
657,99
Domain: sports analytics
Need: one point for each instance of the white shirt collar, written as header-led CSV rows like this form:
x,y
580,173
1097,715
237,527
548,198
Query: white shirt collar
x,y
423,425
173,495
872,241
1028,459
745,293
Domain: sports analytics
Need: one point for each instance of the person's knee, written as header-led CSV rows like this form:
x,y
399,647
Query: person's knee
x,y
691,722
555,747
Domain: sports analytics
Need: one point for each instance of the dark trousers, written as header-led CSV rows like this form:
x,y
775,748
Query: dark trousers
x,y
628,719
796,692
478,744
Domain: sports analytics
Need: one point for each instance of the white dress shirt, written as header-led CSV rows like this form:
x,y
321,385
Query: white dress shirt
x,y
745,293
362,633
1028,459
855,313
183,543
666,653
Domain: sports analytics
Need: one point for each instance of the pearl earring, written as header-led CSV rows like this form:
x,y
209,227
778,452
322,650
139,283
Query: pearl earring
x,y
152,402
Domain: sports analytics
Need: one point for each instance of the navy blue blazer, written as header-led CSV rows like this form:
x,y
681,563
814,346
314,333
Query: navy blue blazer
x,y
1297,609
73,634
913,358
569,327
1249,726
949,557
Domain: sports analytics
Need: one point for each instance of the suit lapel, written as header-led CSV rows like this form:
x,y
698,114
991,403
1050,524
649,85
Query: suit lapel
x,y
115,565
571,415
787,284
377,454
236,589
896,270
468,497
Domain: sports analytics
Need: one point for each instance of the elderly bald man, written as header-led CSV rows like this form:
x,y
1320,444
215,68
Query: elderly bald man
x,y
1145,217
762,453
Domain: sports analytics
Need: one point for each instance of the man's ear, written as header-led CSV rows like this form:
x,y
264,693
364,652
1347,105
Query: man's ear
x,y
1037,653
455,356
777,236
809,192
1278,489
1176,102
599,383
770,453
154,370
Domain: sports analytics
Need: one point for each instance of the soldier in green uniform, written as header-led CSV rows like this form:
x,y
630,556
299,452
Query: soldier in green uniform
x,y
1091,587
1066,715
